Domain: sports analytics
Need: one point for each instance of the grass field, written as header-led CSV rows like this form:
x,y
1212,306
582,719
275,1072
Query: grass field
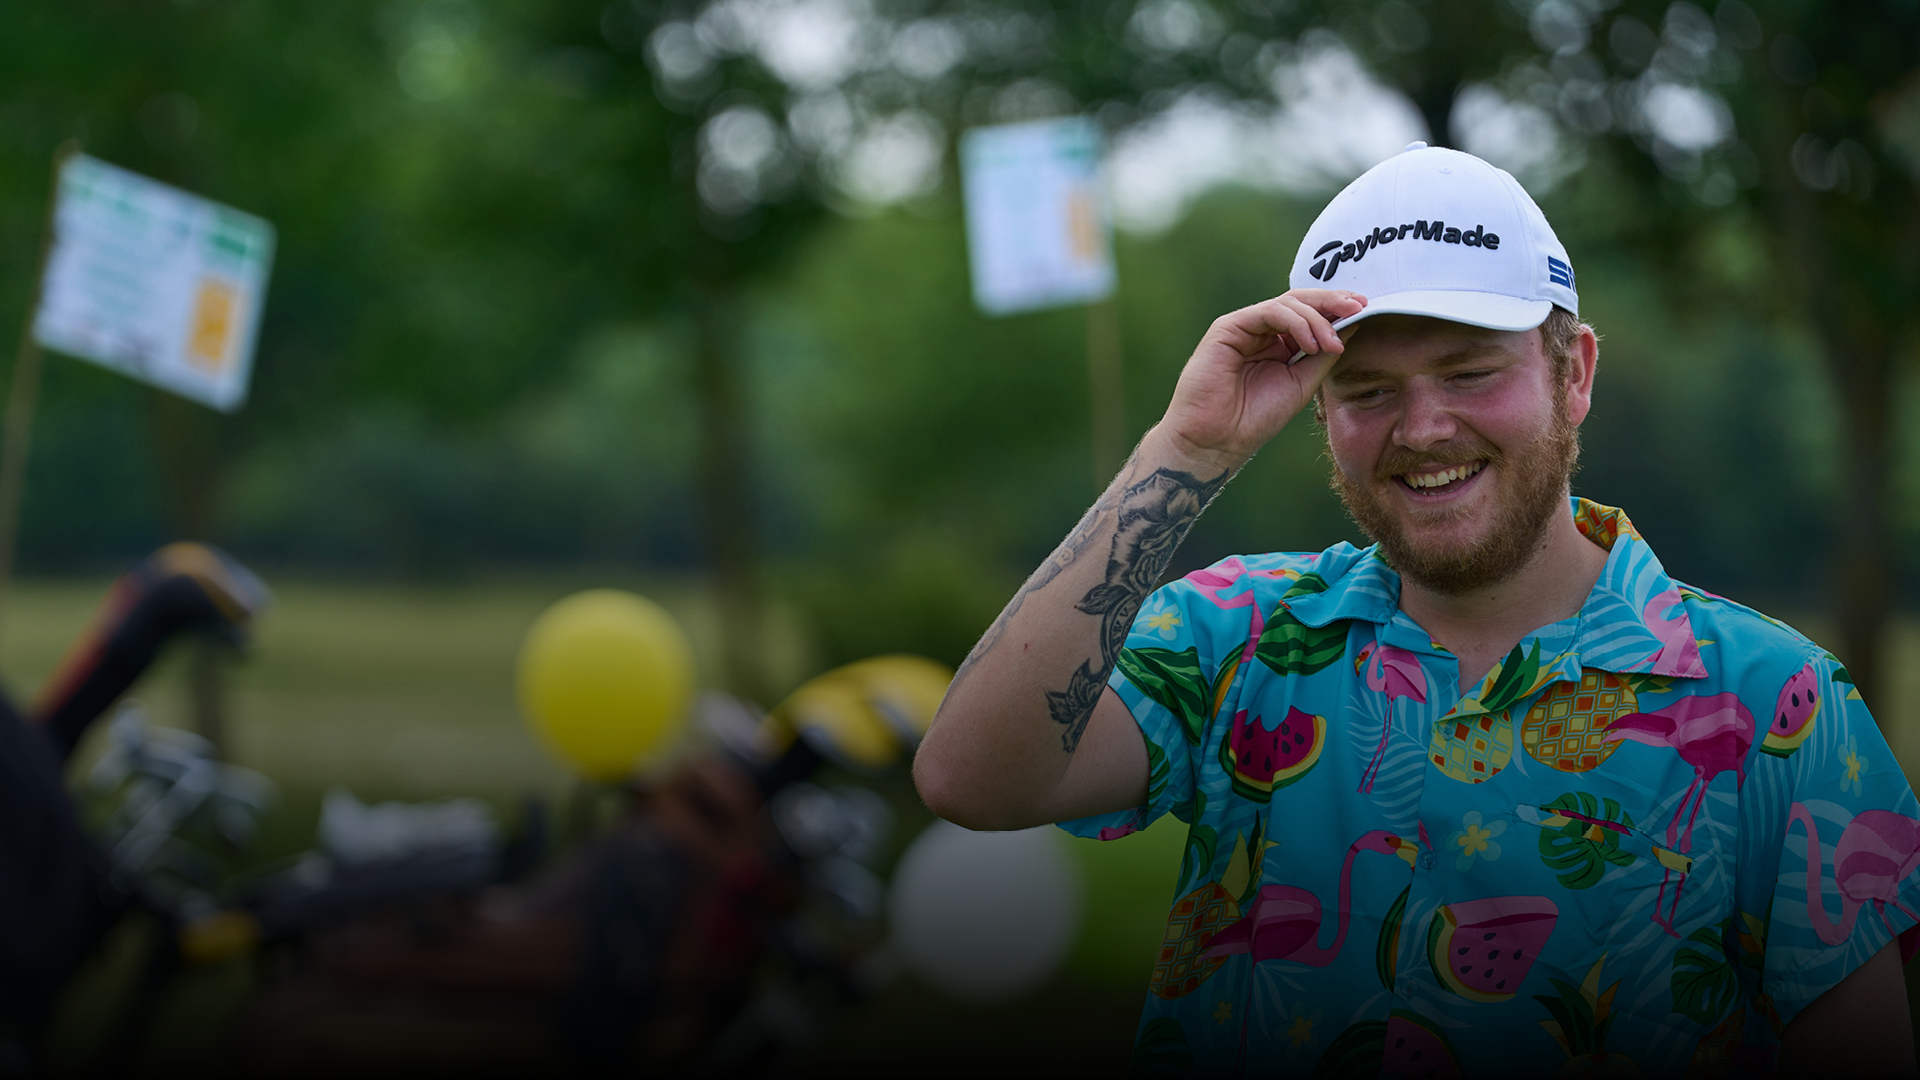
x,y
407,692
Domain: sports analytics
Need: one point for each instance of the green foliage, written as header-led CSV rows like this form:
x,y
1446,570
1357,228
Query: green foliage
x,y
1518,676
473,198
1256,864
1580,862
1750,941
1575,1014
1703,982
1196,863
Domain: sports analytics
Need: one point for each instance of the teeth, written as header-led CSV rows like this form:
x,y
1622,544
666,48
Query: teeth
x,y
1443,477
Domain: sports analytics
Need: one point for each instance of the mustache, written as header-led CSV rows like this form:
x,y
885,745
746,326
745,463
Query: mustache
x,y
1399,459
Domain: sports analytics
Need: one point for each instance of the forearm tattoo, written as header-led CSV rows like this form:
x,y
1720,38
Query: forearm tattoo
x,y
1152,516
1155,514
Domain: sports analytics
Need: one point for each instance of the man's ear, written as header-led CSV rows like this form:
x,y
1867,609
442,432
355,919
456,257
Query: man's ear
x,y
1581,368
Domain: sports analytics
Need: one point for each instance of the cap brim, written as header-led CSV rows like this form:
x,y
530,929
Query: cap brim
x,y
1491,310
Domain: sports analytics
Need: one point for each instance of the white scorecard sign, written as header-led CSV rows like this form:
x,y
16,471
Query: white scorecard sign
x,y
154,283
1036,221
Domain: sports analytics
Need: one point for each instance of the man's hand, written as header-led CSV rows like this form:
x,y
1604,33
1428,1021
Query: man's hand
x,y
1239,389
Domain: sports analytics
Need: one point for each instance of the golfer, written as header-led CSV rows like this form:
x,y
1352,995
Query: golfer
x,y
1494,795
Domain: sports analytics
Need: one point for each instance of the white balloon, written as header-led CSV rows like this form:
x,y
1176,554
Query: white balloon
x,y
985,916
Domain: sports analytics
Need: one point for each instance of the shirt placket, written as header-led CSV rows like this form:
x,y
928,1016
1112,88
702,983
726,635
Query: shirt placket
x,y
1408,734
1413,731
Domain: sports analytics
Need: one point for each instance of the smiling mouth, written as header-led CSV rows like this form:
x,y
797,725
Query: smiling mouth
x,y
1433,483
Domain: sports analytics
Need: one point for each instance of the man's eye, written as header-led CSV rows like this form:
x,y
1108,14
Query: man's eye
x,y
1374,393
1472,376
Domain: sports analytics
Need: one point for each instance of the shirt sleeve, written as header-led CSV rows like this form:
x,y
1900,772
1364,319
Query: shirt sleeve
x,y
1180,662
1830,839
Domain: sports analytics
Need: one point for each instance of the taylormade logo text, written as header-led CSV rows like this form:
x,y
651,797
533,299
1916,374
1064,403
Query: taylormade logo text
x,y
1437,231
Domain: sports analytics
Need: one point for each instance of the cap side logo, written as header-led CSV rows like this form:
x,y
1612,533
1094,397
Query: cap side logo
x,y
1437,231
1559,273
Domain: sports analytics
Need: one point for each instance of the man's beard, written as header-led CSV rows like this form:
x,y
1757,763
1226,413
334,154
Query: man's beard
x,y
1541,473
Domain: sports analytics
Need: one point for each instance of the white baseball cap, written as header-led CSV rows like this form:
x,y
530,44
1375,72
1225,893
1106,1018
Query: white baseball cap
x,y
1437,232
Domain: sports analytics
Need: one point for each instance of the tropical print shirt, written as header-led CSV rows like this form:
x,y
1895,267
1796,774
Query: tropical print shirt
x,y
1642,843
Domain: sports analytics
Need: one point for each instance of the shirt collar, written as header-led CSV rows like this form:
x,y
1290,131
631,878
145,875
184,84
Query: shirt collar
x,y
1634,621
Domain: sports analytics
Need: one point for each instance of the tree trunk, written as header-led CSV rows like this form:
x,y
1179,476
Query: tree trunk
x,y
1435,102
1864,576
726,489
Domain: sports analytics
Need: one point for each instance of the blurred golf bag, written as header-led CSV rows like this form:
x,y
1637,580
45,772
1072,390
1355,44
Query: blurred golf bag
x,y
58,895
729,908
727,911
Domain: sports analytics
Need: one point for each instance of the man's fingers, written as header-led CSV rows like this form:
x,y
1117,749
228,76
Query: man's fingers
x,y
1319,329
1333,303
1253,330
1299,322
1296,326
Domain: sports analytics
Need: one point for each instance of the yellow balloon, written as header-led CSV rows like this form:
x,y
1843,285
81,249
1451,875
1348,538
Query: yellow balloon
x,y
604,677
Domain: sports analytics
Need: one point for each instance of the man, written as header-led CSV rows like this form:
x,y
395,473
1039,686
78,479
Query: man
x,y
1495,795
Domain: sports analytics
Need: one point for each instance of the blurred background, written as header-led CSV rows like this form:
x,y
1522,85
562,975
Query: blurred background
x,y
674,297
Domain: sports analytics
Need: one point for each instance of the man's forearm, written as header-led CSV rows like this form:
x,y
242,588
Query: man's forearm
x,y
1003,741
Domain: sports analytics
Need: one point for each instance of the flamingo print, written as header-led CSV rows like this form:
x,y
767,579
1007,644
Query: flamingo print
x,y
1283,922
1876,852
1211,582
1679,654
1395,672
1712,733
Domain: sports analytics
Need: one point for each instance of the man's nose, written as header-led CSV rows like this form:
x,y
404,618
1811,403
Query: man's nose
x,y
1425,421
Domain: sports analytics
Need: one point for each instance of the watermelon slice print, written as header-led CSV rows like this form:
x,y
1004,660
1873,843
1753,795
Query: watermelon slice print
x,y
1291,647
1162,1049
1404,1044
1417,1047
1483,949
1354,1053
1174,680
1261,762
1793,714
1386,948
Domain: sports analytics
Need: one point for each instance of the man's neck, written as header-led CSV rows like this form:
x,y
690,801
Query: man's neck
x,y
1483,625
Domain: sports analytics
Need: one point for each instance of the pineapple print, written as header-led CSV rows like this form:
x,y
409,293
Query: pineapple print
x,y
1714,1056
1473,748
1603,524
1581,1017
1475,739
1567,726
1182,964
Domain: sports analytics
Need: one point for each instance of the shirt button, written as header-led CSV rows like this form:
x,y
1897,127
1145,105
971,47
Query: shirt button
x,y
1426,860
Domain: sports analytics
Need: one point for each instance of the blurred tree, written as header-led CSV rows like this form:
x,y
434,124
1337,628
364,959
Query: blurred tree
x,y
466,194
1789,128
